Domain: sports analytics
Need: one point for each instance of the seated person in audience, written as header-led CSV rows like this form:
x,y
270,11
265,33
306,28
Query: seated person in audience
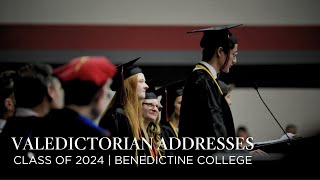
x,y
151,109
35,93
7,100
86,81
291,128
242,131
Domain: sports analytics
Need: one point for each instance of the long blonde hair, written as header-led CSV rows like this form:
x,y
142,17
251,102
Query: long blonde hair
x,y
132,105
154,131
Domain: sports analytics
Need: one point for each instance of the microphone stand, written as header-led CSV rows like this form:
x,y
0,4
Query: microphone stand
x,y
256,88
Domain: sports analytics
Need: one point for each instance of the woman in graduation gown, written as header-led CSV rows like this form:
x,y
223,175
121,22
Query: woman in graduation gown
x,y
123,117
151,110
171,100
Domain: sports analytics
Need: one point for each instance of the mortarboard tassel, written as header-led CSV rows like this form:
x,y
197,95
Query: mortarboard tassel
x,y
166,113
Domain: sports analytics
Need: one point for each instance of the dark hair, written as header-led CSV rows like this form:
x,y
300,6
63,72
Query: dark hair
x,y
291,126
230,87
227,44
6,88
79,92
241,128
31,85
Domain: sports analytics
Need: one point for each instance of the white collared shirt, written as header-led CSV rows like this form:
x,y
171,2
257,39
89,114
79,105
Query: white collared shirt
x,y
211,69
2,123
25,112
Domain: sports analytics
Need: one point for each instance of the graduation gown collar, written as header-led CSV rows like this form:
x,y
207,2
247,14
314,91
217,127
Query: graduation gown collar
x,y
209,67
2,123
214,78
90,122
25,112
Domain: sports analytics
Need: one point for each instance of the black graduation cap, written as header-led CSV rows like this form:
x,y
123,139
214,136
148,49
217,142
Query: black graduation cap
x,y
216,36
150,94
125,71
169,94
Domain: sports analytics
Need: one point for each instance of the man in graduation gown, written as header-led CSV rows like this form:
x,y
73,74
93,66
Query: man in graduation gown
x,y
202,108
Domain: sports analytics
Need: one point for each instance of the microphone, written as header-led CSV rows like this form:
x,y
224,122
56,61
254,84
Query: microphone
x,y
256,88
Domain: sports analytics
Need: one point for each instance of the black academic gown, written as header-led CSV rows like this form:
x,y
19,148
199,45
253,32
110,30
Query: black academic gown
x,y
67,123
116,121
18,127
203,112
167,132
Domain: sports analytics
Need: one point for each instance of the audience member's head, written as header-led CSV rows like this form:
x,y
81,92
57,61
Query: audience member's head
x,y
56,92
291,128
86,81
243,132
7,100
226,90
34,88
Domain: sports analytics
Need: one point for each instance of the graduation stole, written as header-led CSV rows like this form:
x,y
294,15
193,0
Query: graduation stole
x,y
200,66
174,129
153,151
